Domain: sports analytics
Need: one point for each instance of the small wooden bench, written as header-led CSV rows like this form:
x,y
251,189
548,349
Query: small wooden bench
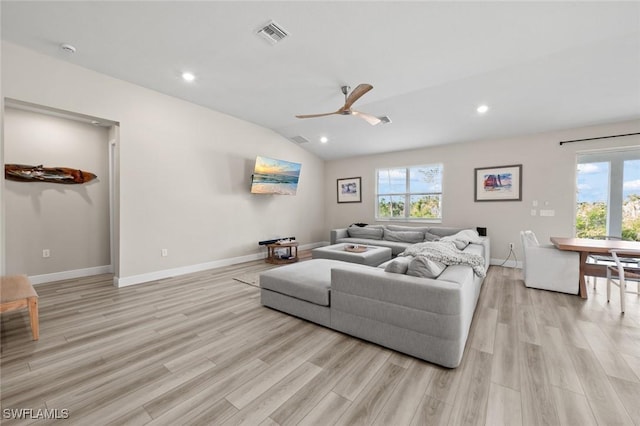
x,y
16,292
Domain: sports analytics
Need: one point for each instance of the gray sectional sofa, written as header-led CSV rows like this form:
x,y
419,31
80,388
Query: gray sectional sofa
x,y
428,318
396,237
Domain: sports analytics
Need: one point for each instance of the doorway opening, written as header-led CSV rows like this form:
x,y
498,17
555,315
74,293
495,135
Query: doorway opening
x,y
51,231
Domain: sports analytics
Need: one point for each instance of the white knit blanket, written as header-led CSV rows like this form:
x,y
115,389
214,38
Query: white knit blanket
x,y
447,253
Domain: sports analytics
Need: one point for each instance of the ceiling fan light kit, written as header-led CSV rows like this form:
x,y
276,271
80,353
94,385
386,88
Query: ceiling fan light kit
x,y
349,100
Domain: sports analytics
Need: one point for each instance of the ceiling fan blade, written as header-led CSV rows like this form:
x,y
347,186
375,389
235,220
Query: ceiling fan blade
x,y
371,119
356,94
317,115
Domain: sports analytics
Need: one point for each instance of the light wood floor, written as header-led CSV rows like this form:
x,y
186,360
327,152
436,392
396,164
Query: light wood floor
x,y
199,349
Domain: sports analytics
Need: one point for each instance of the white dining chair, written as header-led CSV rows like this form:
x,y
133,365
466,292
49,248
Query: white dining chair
x,y
620,274
606,259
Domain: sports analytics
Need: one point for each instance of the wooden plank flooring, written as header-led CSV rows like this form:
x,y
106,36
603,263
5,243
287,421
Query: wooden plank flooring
x,y
200,349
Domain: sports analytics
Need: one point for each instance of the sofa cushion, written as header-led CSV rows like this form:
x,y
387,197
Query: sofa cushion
x,y
475,249
422,229
420,266
404,236
399,265
459,274
309,281
463,238
368,232
460,244
443,231
428,236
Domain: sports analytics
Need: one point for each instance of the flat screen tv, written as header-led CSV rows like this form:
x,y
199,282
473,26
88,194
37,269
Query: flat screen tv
x,y
271,176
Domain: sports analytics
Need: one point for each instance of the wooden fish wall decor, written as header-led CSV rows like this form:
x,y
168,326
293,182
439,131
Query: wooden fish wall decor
x,y
66,175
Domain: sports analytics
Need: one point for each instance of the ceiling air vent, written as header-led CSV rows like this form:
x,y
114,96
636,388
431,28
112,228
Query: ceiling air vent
x,y
273,33
299,139
385,119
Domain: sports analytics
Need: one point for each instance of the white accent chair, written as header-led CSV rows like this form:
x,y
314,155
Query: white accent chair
x,y
547,268
619,274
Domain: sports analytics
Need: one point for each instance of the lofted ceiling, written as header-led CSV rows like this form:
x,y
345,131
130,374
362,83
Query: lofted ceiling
x,y
539,66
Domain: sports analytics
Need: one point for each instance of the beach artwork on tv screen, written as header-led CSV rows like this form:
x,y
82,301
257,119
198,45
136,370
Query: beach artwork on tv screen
x,y
271,176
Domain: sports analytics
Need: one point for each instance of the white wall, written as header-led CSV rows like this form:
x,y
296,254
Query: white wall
x,y
184,170
548,177
72,221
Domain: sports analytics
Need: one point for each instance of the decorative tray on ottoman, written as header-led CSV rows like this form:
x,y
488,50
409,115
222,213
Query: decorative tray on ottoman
x,y
355,248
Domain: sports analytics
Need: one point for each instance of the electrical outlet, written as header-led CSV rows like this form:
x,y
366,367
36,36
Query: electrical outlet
x,y
46,253
164,252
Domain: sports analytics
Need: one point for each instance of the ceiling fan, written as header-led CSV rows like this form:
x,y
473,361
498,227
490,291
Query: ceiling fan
x,y
349,99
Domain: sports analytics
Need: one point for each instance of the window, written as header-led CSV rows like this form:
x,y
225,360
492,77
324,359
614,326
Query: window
x,y
409,193
608,194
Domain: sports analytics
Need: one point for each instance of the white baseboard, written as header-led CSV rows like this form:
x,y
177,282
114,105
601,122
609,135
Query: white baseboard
x,y
68,275
168,273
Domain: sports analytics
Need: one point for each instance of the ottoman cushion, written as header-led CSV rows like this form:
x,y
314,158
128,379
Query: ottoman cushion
x,y
372,257
309,281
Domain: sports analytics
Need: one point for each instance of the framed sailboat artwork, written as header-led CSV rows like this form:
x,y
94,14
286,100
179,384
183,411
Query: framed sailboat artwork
x,y
500,183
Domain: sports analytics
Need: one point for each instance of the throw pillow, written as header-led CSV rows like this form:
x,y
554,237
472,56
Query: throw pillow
x,y
366,232
403,236
463,238
420,266
383,265
460,244
428,236
399,265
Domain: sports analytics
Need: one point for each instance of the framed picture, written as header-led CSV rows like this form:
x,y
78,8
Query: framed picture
x,y
502,183
349,190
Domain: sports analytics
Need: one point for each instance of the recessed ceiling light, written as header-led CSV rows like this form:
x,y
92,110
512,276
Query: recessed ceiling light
x,y
482,109
187,76
324,139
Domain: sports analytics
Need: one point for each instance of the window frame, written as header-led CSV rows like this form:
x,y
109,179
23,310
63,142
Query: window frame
x,y
616,158
407,194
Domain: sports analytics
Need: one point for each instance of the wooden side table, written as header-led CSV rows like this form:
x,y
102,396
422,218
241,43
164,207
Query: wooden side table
x,y
292,251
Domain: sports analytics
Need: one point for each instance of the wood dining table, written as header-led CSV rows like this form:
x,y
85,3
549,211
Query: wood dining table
x,y
588,246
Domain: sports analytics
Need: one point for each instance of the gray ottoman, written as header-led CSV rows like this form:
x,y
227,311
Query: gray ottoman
x,y
374,256
302,289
